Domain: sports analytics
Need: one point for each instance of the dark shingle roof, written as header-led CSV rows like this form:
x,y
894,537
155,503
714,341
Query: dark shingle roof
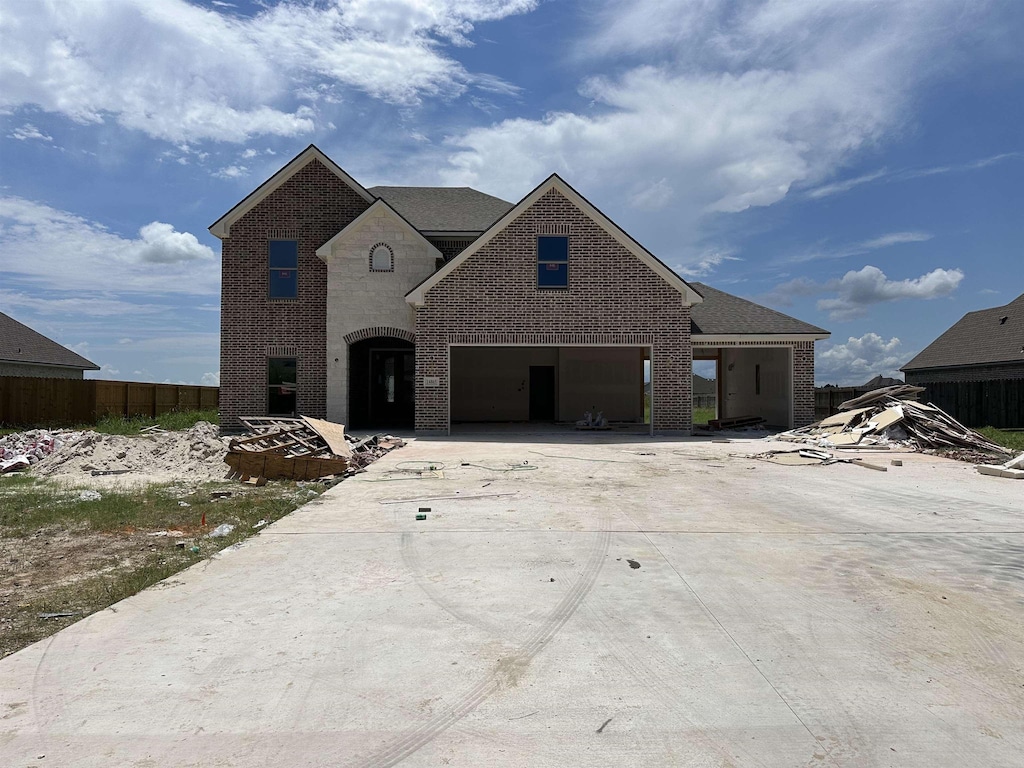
x,y
20,344
723,313
444,209
978,338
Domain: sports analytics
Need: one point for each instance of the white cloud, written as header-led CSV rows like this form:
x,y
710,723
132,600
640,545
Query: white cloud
x,y
744,101
886,240
29,132
859,290
835,188
705,264
57,250
651,197
71,306
210,379
860,359
232,172
180,72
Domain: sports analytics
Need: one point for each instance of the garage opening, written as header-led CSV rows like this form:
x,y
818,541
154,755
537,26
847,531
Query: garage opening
x,y
705,386
546,385
756,381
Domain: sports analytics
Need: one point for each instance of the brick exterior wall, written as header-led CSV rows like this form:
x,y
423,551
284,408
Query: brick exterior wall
x,y
613,298
967,373
311,207
803,383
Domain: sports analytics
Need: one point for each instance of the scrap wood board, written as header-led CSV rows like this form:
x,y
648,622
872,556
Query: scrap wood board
x,y
276,467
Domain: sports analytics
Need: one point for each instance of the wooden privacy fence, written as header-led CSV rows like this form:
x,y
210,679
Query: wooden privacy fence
x,y
26,401
993,403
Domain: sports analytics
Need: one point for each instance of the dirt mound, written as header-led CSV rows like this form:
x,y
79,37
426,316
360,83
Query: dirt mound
x,y
194,454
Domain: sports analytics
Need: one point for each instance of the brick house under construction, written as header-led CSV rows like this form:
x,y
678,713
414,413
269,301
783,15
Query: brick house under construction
x,y
428,307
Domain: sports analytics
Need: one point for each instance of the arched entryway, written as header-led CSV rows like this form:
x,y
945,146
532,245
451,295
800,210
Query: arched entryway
x,y
382,383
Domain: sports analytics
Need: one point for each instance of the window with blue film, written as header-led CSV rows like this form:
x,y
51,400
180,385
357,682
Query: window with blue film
x,y
284,269
552,262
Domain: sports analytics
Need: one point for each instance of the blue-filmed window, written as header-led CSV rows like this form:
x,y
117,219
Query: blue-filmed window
x,y
284,269
552,262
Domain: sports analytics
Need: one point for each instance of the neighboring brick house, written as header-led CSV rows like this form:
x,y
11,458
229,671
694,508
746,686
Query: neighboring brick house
x,y
982,346
427,306
24,352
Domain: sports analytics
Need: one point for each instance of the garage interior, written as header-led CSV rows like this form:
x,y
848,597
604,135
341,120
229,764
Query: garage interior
x,y
546,384
753,381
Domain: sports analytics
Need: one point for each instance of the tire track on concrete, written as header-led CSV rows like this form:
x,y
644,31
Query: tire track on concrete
x,y
505,671
413,561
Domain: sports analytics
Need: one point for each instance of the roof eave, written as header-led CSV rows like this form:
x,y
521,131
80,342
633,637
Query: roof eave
x,y
727,338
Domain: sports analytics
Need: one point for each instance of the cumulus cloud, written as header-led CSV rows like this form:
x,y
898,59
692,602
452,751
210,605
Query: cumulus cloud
x,y
859,360
231,172
52,249
29,132
859,290
210,379
180,72
737,103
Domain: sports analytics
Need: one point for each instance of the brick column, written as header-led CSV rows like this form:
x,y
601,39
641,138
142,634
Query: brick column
x,y
431,361
803,383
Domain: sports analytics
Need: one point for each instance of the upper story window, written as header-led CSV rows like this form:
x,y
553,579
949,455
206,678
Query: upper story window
x,y
382,258
284,269
552,261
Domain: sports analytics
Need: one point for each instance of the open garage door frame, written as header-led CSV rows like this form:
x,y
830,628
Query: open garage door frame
x,y
726,348
647,349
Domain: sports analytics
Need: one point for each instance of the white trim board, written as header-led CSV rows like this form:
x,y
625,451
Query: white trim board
x,y
417,296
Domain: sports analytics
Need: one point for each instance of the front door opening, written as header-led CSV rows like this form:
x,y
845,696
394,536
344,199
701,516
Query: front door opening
x,y
382,392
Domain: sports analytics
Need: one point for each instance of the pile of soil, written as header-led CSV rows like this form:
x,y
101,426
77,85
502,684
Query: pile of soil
x,y
194,454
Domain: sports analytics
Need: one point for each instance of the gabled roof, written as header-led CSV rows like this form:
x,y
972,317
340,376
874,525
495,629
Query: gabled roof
x,y
325,250
417,295
987,336
444,209
20,344
723,314
222,227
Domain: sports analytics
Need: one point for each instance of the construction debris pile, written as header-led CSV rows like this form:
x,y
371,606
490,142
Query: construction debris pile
x,y
22,449
1013,469
301,449
891,415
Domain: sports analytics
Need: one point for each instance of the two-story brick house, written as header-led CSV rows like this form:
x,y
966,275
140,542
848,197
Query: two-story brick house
x,y
429,306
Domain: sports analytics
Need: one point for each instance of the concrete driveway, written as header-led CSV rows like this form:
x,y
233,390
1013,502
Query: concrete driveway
x,y
688,608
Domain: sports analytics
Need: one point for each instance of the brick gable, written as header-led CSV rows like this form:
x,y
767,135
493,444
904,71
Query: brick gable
x,y
613,298
311,207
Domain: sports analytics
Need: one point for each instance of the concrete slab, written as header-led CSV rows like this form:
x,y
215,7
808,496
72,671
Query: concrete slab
x,y
630,601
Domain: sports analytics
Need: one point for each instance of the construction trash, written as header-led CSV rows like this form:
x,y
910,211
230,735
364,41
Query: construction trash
x,y
592,421
221,531
22,449
89,496
805,456
301,449
1013,469
891,416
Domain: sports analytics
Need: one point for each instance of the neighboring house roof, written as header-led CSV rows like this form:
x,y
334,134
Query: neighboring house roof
x,y
444,209
20,344
723,314
979,338
702,386
222,227
555,182
881,381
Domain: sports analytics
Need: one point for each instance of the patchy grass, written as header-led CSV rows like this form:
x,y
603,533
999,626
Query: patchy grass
x,y
172,421
64,553
1012,440
703,415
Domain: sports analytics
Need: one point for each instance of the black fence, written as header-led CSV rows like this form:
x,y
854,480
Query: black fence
x,y
993,403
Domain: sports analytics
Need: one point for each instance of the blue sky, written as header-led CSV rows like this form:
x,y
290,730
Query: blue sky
x,y
855,163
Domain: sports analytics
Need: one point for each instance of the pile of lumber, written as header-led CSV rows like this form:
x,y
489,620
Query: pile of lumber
x,y
301,449
891,415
